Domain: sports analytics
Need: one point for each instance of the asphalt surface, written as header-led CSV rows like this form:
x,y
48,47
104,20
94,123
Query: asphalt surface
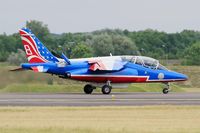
x,y
98,99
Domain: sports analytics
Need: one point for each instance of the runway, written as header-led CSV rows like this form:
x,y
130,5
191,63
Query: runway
x,y
98,99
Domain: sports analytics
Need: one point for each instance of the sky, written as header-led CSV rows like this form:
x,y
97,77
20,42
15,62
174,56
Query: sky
x,y
89,15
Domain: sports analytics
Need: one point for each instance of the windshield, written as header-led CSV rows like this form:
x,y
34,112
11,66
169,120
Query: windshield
x,y
149,62
144,61
161,67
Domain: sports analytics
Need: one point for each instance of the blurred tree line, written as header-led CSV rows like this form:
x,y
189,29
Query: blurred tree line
x,y
160,45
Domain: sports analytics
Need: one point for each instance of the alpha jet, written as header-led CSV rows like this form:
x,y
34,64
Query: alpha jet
x,y
105,72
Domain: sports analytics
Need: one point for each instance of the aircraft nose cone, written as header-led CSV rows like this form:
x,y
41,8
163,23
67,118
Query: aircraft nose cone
x,y
180,76
175,76
183,77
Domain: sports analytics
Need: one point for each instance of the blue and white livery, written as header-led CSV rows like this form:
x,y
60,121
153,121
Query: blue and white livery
x,y
104,72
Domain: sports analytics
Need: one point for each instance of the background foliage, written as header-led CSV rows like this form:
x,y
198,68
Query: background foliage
x,y
183,46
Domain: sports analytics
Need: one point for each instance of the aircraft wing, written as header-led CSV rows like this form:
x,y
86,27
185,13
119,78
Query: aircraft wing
x,y
106,65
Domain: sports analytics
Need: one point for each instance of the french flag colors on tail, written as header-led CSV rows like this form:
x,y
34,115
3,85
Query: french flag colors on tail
x,y
36,52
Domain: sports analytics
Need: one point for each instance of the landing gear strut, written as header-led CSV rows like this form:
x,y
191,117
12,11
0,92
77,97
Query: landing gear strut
x,y
166,89
88,89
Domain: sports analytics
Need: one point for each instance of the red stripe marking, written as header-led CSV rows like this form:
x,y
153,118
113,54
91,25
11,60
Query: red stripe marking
x,y
112,79
22,33
36,60
33,60
35,69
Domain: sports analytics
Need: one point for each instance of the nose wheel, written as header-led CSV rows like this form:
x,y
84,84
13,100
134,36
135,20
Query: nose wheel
x,y
166,89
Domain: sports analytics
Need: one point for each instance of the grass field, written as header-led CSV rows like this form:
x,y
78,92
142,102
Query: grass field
x,y
145,119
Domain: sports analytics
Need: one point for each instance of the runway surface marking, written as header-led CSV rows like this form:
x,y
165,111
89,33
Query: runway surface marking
x,y
37,100
97,99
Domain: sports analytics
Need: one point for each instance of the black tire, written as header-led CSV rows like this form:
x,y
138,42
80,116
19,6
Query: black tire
x,y
165,91
88,89
106,89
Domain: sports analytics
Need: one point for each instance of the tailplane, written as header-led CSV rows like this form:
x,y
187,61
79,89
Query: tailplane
x,y
36,52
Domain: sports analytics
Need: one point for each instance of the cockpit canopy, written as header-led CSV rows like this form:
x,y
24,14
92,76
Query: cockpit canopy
x,y
144,61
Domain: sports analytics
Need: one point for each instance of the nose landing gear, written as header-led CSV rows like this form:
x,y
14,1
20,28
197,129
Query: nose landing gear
x,y
166,89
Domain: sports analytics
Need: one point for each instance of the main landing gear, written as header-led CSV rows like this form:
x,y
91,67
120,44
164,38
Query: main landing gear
x,y
88,89
106,89
166,89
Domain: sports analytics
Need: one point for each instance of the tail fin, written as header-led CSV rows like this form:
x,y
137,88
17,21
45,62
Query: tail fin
x,y
36,52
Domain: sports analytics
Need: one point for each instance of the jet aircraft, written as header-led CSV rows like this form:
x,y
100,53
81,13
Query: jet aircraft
x,y
105,72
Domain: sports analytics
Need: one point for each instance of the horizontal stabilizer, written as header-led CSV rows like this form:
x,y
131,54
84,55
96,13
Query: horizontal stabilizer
x,y
18,69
